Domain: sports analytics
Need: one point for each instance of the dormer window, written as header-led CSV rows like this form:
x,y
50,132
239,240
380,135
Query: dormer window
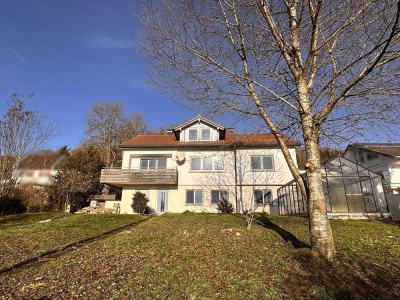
x,y
192,134
200,134
205,134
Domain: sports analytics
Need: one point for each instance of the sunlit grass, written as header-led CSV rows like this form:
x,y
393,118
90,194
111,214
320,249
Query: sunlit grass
x,y
213,256
27,235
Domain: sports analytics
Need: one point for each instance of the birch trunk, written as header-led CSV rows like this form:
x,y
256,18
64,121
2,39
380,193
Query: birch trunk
x,y
321,238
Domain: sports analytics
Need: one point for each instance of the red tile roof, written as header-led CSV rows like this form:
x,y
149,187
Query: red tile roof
x,y
41,160
169,140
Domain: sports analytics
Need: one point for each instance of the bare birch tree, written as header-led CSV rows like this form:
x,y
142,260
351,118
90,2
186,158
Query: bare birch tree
x,y
107,127
21,131
311,69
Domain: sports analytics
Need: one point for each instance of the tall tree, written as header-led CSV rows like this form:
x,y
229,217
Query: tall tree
x,y
311,69
21,131
108,126
78,178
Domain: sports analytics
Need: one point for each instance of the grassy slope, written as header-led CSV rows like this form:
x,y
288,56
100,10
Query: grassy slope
x,y
213,256
22,237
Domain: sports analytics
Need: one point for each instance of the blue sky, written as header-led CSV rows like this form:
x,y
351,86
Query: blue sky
x,y
72,54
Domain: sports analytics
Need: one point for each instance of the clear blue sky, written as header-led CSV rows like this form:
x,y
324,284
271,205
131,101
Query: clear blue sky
x,y
72,54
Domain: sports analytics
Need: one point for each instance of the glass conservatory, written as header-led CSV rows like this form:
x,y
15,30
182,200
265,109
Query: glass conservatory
x,y
348,189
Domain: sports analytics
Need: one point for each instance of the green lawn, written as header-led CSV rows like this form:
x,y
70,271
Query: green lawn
x,y
24,236
210,256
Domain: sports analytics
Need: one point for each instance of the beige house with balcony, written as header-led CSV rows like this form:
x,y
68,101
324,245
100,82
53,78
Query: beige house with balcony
x,y
197,164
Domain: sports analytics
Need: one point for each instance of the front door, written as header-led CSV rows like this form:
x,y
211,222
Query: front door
x,y
162,202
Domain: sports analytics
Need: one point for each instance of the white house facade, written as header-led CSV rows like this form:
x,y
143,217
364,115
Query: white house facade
x,y
383,159
198,164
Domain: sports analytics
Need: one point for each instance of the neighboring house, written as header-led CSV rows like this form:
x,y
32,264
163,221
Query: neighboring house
x,y
38,168
383,159
199,163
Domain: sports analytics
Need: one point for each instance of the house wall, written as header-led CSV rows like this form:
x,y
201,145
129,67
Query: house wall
x,y
248,179
395,176
376,162
177,198
35,177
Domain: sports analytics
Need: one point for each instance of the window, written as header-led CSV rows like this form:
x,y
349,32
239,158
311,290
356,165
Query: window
x,y
209,163
217,196
205,134
194,197
262,163
263,197
192,134
153,163
200,134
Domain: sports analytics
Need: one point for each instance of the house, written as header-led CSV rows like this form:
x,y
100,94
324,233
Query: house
x,y
197,164
383,159
38,168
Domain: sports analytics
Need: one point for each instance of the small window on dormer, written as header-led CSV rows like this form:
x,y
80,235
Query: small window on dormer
x,y
192,134
205,134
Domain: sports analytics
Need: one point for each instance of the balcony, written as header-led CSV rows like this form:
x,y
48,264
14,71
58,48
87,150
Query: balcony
x,y
121,177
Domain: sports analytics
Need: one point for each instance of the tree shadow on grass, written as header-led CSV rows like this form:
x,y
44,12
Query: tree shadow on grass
x,y
263,220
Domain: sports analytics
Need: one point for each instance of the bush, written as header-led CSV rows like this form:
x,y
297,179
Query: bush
x,y
225,207
139,203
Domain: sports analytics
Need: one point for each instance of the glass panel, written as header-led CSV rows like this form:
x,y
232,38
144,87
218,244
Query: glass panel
x,y
152,163
193,135
207,163
268,163
354,194
214,197
255,162
198,197
267,196
190,196
337,194
162,163
195,163
224,195
144,163
379,194
218,163
258,196
367,194
205,134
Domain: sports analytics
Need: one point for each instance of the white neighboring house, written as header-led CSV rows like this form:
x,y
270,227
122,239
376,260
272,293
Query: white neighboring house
x,y
197,164
38,168
382,159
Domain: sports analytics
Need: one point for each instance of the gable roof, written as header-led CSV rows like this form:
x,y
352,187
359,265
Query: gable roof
x,y
199,118
386,149
46,159
231,139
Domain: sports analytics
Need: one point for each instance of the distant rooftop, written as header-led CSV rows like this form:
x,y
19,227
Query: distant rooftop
x,y
384,148
45,159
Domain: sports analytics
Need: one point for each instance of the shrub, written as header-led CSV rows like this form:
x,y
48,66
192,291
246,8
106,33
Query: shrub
x,y
225,207
139,203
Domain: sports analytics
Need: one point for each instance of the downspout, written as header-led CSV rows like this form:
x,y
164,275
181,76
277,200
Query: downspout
x,y
236,181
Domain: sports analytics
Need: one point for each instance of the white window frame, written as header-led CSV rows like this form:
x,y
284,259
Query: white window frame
x,y
262,162
156,167
199,134
264,193
215,162
220,198
195,191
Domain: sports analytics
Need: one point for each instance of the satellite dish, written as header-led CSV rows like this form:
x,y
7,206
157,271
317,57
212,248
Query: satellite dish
x,y
180,156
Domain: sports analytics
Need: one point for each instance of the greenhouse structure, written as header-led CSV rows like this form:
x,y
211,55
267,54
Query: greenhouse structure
x,y
349,189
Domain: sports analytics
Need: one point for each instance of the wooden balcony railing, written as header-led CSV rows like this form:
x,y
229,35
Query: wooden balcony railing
x,y
119,177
